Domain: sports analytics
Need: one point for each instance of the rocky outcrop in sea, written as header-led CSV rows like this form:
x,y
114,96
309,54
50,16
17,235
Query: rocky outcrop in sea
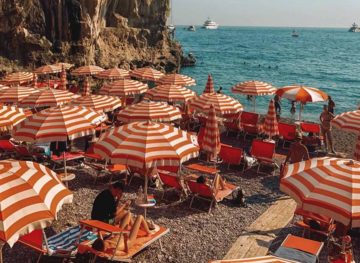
x,y
108,33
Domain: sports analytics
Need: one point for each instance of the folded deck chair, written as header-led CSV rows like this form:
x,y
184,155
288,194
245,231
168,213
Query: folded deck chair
x,y
299,249
207,193
142,241
63,244
7,149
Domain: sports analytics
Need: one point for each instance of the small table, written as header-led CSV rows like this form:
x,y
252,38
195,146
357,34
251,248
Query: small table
x,y
67,178
145,206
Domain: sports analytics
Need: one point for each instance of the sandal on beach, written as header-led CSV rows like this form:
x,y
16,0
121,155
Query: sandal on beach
x,y
151,225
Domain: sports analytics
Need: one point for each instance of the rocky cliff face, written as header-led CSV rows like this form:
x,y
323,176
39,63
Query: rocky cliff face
x,y
104,32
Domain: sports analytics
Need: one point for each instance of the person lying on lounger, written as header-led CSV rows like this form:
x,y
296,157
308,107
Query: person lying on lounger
x,y
125,243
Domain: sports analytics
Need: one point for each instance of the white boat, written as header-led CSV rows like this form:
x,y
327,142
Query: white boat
x,y
191,28
171,27
294,34
209,24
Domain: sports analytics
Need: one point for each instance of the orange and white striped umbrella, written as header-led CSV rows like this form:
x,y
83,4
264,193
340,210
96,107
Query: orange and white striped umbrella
x,y
18,78
10,116
113,73
211,140
209,88
170,93
302,94
146,145
349,121
58,124
326,186
86,70
222,103
264,259
146,73
98,102
86,87
31,196
124,87
64,65
47,69
47,98
149,110
253,88
3,87
176,79
271,127
16,94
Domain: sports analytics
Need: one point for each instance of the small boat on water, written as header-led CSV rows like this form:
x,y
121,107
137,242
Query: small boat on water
x,y
209,24
191,28
354,28
294,34
171,27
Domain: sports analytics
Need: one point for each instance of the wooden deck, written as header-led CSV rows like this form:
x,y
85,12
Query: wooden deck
x,y
256,239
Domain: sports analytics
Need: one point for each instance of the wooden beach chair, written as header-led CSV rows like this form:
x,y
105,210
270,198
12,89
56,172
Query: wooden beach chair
x,y
171,182
63,244
263,151
142,241
299,249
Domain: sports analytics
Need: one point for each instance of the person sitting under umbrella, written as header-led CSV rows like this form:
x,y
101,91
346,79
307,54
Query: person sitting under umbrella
x,y
105,204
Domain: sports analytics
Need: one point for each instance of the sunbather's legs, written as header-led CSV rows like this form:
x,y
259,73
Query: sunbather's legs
x,y
124,218
139,222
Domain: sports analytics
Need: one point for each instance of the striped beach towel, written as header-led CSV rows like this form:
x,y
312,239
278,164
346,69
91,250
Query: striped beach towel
x,y
66,241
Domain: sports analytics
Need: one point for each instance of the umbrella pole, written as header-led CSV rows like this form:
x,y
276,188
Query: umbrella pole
x,y
254,102
146,185
300,111
1,251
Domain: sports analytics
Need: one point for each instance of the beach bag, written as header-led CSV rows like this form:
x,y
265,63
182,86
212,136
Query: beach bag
x,y
238,197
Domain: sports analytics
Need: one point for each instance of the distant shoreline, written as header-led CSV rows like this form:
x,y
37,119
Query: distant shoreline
x,y
273,27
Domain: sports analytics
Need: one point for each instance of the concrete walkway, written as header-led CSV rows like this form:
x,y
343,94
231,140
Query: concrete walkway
x,y
256,239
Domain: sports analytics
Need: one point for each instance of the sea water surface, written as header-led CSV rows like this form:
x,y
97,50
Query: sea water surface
x,y
327,59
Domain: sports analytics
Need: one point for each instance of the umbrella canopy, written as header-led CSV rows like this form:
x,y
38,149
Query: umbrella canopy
x,y
146,145
149,110
253,88
2,87
58,124
271,127
176,79
18,78
86,70
146,73
349,121
10,116
222,103
98,102
124,87
113,73
16,94
64,65
211,140
302,94
47,69
170,93
47,98
209,88
327,186
31,197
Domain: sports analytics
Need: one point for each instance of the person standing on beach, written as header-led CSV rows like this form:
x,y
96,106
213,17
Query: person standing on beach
x,y
277,105
325,119
293,109
219,90
331,105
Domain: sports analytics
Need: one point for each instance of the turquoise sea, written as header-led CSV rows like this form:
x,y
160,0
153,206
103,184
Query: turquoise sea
x,y
327,59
